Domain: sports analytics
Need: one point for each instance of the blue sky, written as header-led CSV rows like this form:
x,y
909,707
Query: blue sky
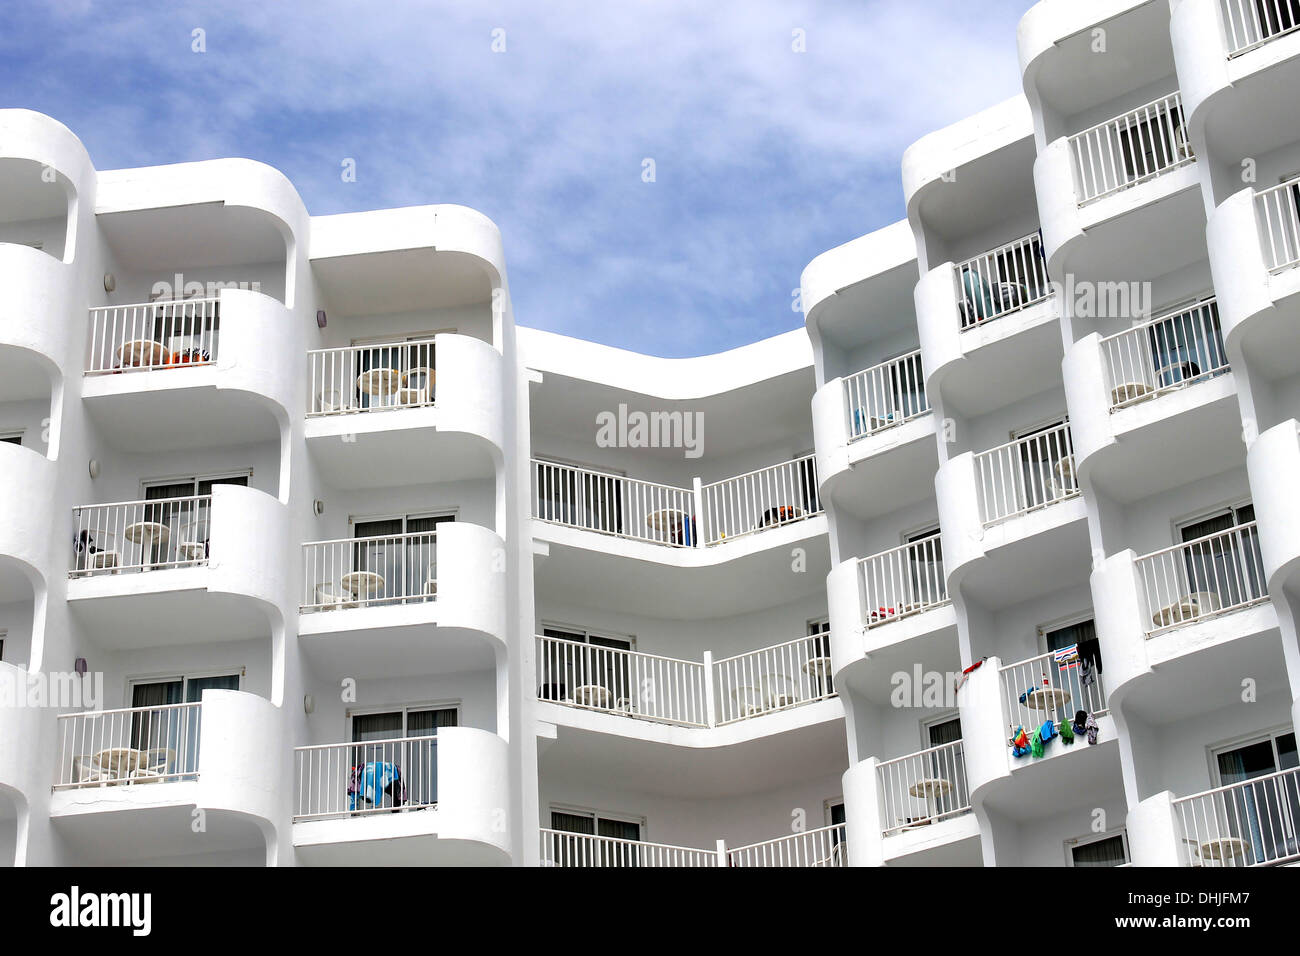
x,y
764,157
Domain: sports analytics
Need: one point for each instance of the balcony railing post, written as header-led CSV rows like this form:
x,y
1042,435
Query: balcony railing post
x,y
698,518
710,694
722,853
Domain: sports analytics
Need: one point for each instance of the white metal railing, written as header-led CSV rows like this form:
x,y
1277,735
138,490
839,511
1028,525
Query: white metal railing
x,y
1130,149
371,377
886,395
1250,23
613,504
688,693
563,848
1026,474
1164,354
1278,212
1251,823
766,498
903,581
128,747
1004,280
922,788
372,776
140,535
773,678
1053,686
362,572
621,681
153,335
1193,580
825,846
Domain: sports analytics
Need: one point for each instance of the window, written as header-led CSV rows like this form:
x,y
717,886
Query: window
x,y
925,567
1187,345
1221,561
3,632
185,518
582,497
597,664
397,558
12,438
1046,467
1152,145
1263,814
1078,664
819,651
947,764
1099,850
167,734
396,370
395,760
578,849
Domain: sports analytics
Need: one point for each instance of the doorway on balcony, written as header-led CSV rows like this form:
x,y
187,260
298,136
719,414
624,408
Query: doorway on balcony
x,y
1046,465
925,570
1098,849
164,734
181,506
1153,143
1263,810
395,370
592,838
394,760
1076,663
1221,558
946,765
395,559
592,669
579,496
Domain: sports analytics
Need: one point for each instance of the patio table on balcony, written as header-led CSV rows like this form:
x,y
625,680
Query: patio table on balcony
x,y
592,695
143,353
1127,392
1222,848
819,669
147,534
930,788
1050,699
671,522
380,382
362,583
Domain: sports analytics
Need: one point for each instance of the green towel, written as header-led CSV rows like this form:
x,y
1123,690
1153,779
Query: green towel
x,y
1036,743
1067,733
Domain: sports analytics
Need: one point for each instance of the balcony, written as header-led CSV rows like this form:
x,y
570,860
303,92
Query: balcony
x,y
712,693
130,781
1250,23
713,547
1112,194
825,846
137,568
26,516
1252,823
370,605
179,373
413,801
665,515
1273,463
1147,388
1026,475
989,327
873,429
1197,580
1254,246
431,410
1131,149
1020,779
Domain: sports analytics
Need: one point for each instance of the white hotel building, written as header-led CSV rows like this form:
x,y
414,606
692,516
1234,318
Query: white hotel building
x,y
365,576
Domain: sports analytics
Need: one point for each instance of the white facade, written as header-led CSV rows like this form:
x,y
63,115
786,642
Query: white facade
x,y
367,574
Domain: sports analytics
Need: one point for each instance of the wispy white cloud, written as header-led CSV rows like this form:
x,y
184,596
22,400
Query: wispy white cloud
x,y
765,157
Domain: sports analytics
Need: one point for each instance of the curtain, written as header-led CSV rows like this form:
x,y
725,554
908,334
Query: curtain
x,y
421,774
157,729
1242,806
620,854
422,555
187,760
1105,852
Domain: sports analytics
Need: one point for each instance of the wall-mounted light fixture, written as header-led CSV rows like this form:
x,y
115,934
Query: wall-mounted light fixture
x,y
320,319
94,468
